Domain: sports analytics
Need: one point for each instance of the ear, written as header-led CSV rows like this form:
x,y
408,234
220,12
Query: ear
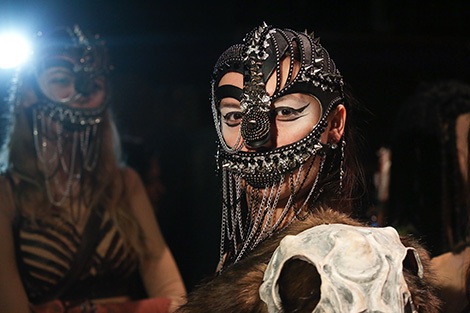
x,y
336,123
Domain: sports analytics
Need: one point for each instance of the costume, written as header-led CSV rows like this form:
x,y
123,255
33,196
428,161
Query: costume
x,y
258,58
47,257
316,259
429,196
360,268
75,250
251,285
67,73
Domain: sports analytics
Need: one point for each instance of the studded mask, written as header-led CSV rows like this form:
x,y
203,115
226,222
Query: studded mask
x,y
250,216
69,70
258,58
69,77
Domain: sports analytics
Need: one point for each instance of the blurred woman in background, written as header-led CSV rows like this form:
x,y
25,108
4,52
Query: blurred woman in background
x,y
429,195
76,224
290,172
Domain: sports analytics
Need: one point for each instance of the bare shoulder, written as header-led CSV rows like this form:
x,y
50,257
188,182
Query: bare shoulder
x,y
132,182
131,178
7,207
136,193
451,266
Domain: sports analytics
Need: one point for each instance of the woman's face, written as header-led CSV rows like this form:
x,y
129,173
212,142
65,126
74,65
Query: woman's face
x,y
293,115
58,83
462,127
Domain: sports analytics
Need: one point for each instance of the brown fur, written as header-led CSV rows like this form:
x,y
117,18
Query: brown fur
x,y
236,289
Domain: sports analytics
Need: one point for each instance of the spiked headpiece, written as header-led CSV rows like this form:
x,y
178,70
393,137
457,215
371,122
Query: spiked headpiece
x,y
258,58
252,181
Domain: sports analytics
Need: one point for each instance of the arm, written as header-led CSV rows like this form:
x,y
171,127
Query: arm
x,y
159,271
12,294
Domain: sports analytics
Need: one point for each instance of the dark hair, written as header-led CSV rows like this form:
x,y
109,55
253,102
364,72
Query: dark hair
x,y
428,194
346,196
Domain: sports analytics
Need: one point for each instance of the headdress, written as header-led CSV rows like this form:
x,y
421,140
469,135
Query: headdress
x,y
86,58
258,58
68,74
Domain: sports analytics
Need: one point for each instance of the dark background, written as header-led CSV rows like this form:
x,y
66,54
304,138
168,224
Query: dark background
x,y
164,51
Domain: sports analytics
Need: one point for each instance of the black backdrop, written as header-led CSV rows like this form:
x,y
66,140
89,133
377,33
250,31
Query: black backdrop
x,y
163,52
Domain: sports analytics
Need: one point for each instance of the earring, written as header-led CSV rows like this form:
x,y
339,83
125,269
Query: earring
x,y
341,166
333,143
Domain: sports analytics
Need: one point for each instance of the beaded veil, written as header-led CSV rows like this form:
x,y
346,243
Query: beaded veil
x,y
259,177
69,77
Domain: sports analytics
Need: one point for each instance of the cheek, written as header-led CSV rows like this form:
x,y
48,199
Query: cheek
x,y
97,99
230,134
290,132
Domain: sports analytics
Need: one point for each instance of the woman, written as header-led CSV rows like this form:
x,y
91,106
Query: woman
x,y
430,194
280,112
279,108
76,225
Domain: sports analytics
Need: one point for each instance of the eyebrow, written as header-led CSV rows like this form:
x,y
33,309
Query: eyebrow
x,y
229,104
60,70
279,101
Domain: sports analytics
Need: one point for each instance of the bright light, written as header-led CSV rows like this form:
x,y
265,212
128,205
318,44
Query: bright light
x,y
14,50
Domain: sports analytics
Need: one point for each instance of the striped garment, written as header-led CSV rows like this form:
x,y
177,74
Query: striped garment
x,y
45,254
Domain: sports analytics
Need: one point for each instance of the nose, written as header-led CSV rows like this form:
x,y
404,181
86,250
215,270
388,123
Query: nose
x,y
255,128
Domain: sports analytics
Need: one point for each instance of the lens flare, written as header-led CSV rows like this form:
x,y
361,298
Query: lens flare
x,y
14,50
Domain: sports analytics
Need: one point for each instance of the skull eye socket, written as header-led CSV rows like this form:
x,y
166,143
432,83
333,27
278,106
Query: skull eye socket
x,y
412,263
413,272
299,286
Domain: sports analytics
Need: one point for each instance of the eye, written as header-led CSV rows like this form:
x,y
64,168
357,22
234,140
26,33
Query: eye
x,y
284,111
233,118
288,114
60,80
57,84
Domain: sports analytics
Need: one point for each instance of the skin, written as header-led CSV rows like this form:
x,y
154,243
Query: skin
x,y
159,271
450,270
295,116
462,126
58,84
451,267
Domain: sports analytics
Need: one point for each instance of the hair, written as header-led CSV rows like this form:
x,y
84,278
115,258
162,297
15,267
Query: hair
x,y
343,193
105,186
346,193
341,185
427,187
